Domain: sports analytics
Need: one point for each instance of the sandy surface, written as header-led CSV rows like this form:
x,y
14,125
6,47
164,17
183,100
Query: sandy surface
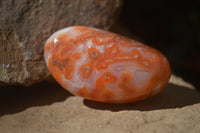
x,y
48,108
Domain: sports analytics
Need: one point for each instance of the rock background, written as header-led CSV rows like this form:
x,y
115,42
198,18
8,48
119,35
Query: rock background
x,y
25,25
48,108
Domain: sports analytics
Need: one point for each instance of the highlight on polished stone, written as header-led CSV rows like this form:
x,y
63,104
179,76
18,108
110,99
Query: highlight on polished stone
x,y
103,66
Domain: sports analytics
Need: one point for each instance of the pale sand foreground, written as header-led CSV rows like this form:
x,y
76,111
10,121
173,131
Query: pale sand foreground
x,y
48,108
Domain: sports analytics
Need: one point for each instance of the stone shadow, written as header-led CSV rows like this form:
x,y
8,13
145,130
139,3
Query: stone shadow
x,y
14,99
173,96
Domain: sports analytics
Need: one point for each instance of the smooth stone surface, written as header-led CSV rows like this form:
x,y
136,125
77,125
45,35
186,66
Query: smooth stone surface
x,y
103,66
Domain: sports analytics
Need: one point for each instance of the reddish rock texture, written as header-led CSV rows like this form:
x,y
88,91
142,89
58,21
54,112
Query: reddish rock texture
x,y
103,66
25,25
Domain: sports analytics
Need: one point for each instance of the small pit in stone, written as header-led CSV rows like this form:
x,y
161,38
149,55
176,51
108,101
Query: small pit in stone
x,y
94,55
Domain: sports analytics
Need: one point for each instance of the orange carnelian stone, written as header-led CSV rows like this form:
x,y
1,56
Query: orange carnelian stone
x,y
105,67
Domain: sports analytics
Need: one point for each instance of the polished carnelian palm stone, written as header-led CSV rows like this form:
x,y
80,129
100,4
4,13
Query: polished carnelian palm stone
x,y
105,67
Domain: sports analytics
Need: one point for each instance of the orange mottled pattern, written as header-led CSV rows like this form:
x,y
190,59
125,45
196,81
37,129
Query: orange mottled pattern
x,y
104,66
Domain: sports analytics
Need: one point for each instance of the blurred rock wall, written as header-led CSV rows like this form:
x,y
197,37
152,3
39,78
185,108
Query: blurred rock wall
x,y
25,25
